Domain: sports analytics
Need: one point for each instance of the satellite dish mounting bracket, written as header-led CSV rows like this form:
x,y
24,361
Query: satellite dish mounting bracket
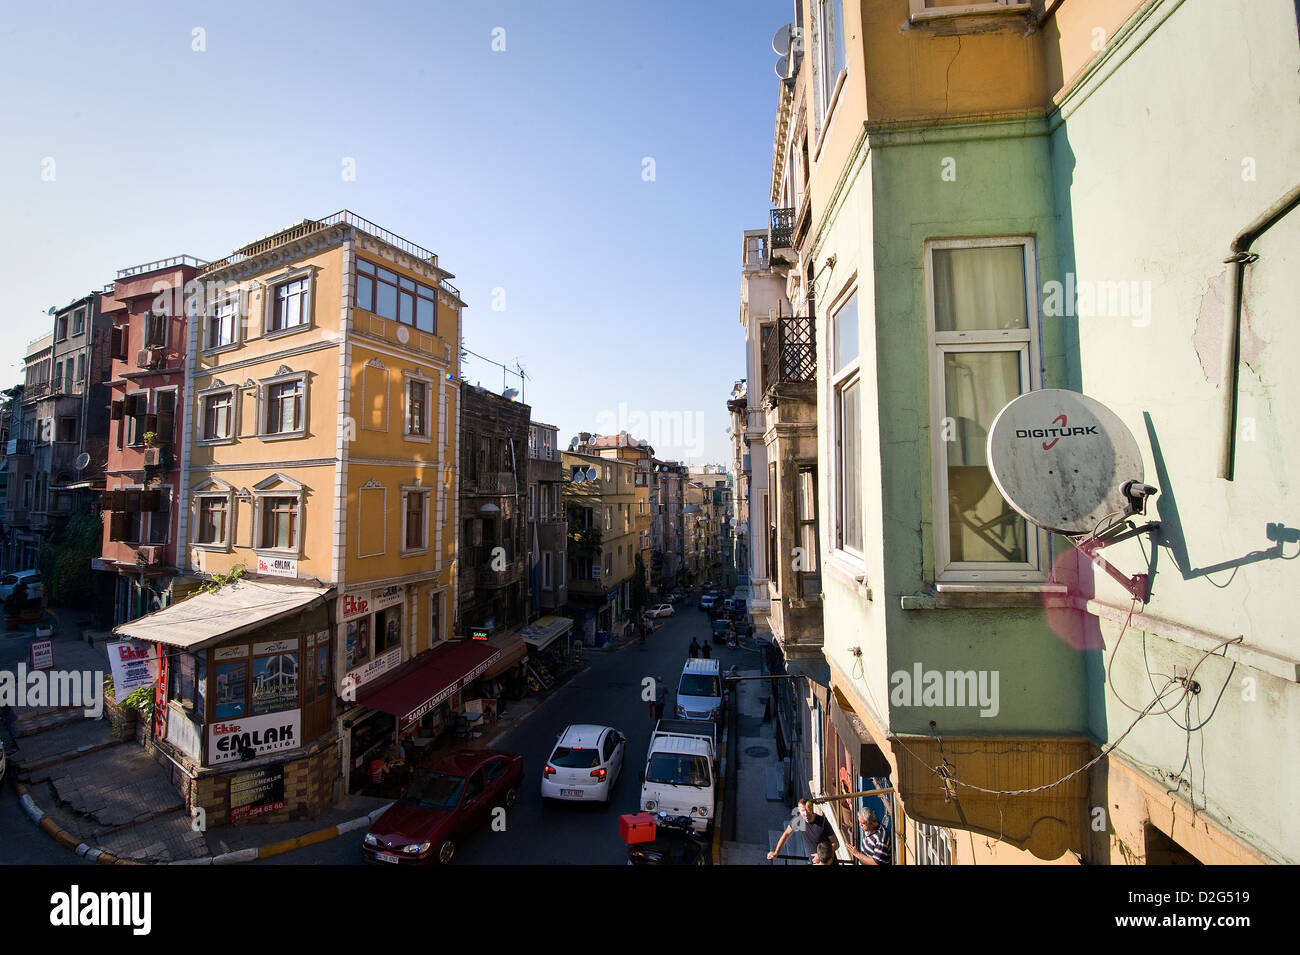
x,y
1139,585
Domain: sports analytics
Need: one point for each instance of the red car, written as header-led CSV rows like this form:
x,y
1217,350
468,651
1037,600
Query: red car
x,y
443,806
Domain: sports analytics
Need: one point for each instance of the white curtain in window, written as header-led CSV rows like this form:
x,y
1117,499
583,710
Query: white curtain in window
x,y
979,288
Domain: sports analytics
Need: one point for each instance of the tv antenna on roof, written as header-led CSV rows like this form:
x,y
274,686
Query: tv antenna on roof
x,y
1068,464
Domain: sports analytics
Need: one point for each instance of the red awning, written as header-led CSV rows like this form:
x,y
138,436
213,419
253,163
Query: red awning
x,y
421,684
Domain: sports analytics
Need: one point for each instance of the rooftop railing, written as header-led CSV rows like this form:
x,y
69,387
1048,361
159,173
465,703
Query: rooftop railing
x,y
173,262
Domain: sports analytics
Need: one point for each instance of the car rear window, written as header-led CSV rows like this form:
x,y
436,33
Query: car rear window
x,y
697,684
575,757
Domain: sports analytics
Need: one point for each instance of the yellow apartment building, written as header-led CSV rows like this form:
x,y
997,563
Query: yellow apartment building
x,y
600,495
321,439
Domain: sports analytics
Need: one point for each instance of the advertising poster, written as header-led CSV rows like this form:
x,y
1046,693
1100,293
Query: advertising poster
x,y
131,663
275,683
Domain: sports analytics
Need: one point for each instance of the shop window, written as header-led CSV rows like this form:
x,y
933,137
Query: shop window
x,y
275,683
357,646
231,690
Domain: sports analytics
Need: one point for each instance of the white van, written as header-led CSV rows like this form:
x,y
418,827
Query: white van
x,y
699,691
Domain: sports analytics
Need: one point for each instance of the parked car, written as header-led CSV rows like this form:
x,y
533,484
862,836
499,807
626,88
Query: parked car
x,y
31,577
720,627
662,610
707,602
585,764
443,806
680,775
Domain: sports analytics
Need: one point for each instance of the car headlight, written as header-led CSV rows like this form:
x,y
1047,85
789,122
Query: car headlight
x,y
371,840
649,804
415,850
681,711
701,810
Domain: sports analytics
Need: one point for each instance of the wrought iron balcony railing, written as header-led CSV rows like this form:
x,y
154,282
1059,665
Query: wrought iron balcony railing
x,y
789,353
780,228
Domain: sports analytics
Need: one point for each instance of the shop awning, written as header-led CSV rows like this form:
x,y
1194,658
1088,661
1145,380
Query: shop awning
x,y
420,685
540,633
513,649
235,609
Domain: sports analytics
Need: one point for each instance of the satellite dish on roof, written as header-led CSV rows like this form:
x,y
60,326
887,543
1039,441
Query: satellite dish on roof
x,y
782,68
591,474
1064,461
579,476
781,41
82,462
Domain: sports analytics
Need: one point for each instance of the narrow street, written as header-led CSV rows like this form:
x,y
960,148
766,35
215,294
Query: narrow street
x,y
608,693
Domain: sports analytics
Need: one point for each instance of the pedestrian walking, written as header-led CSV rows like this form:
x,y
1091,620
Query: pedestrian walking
x,y
695,648
657,704
706,651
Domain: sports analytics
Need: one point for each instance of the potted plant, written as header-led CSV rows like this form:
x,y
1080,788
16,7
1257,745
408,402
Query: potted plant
x,y
151,439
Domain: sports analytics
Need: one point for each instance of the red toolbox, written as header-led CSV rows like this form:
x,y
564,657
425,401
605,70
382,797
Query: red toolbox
x,y
636,827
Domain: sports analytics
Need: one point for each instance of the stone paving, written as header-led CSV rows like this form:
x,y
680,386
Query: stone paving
x,y
758,814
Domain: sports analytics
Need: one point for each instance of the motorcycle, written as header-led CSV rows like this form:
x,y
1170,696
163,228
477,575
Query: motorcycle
x,y
675,843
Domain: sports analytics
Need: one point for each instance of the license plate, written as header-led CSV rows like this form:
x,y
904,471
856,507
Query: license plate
x,y
571,792
387,857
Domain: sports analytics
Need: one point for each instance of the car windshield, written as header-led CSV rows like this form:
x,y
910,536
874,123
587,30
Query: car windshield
x,y
435,791
678,770
697,684
572,757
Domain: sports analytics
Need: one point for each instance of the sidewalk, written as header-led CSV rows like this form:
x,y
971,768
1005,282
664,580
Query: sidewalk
x,y
106,799
760,806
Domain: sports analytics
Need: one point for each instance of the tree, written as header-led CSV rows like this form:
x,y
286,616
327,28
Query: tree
x,y
640,595
65,563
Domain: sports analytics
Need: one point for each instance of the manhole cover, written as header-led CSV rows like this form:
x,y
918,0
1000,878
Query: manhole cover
x,y
758,752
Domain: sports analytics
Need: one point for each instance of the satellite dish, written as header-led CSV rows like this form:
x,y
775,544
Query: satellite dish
x,y
579,476
1063,460
781,41
83,460
591,474
782,68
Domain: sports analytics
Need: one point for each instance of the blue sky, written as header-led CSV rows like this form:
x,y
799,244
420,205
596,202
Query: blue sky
x,y
524,169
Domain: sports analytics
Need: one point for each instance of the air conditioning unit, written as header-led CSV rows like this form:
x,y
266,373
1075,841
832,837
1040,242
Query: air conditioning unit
x,y
149,357
152,457
149,555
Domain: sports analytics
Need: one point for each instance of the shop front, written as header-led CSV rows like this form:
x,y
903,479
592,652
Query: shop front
x,y
244,700
415,703
547,653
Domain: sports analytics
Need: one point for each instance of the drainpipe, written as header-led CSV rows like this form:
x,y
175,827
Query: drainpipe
x,y
1239,256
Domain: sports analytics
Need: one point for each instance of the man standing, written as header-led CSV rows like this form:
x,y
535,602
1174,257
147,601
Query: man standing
x,y
814,828
695,648
875,841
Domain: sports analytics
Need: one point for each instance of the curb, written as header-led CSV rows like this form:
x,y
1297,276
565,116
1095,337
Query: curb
x,y
46,822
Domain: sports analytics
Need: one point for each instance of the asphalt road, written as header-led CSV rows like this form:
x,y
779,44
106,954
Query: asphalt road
x,y
608,693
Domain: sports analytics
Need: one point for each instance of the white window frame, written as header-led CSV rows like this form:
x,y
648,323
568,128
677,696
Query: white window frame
x,y
826,89
546,570
214,489
1026,343
264,406
837,381
212,318
272,285
409,377
424,492
204,397
919,10
278,485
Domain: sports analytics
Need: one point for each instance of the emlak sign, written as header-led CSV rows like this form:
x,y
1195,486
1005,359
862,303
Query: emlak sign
x,y
271,733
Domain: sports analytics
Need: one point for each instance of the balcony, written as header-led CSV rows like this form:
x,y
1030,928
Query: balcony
x,y
780,228
19,446
492,482
789,353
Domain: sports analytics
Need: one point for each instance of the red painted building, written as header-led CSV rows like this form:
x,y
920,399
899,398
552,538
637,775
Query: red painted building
x,y
141,500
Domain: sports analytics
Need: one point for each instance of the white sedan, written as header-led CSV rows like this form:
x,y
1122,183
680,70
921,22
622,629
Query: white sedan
x,y
585,764
663,610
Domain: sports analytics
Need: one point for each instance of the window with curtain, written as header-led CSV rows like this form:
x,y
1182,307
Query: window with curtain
x,y
985,345
846,389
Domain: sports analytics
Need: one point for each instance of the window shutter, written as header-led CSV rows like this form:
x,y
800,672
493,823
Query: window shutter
x,y
119,500
132,499
106,500
118,351
149,501
117,526
116,412
165,426
151,422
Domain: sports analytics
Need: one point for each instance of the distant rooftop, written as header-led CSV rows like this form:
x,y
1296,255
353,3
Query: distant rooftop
x,y
174,262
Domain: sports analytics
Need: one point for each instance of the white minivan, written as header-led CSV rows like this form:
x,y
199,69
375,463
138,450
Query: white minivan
x,y
699,691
